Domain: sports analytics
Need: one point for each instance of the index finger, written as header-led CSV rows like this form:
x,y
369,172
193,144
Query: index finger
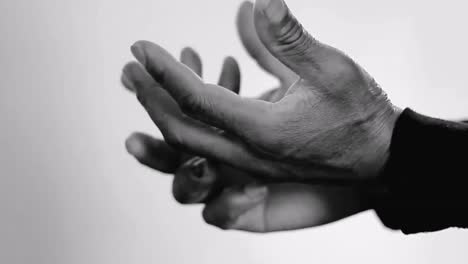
x,y
210,103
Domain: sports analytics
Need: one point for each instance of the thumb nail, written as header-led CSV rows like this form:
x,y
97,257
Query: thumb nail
x,y
139,53
275,10
256,191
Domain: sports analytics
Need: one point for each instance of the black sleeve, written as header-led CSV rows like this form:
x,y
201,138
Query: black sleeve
x,y
426,176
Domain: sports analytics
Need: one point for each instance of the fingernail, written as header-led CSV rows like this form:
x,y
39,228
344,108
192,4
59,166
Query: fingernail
x,y
139,53
256,191
275,10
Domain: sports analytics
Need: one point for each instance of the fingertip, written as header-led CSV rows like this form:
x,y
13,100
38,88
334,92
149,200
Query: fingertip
x,y
138,51
284,37
191,58
231,61
247,4
232,64
164,68
131,69
146,52
189,52
230,75
245,9
143,44
126,82
274,10
245,26
135,145
136,78
207,215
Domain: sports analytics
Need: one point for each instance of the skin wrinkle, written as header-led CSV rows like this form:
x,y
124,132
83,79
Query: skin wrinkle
x,y
280,91
289,136
317,132
290,32
320,134
293,33
301,42
361,122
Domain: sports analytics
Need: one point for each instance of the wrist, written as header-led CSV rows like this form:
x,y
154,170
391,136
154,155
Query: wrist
x,y
387,135
378,151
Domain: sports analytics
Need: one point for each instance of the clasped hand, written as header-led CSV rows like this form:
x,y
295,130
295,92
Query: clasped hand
x,y
327,122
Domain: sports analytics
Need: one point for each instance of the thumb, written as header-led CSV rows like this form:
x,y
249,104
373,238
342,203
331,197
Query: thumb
x,y
256,49
285,37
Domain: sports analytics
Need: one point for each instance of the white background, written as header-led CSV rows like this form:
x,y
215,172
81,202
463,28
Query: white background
x,y
69,192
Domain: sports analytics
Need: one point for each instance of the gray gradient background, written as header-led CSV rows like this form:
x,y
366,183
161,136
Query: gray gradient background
x,y
69,193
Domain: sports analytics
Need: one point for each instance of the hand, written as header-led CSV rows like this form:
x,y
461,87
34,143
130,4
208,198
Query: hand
x,y
334,123
235,199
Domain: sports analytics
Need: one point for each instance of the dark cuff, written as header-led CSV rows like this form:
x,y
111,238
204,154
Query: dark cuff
x,y
425,176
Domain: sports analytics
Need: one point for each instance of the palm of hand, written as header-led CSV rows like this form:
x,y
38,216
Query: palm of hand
x,y
328,129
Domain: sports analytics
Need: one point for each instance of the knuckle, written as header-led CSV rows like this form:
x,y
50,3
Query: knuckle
x,y
179,194
293,39
180,198
210,218
223,224
191,103
224,220
156,71
174,139
141,98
